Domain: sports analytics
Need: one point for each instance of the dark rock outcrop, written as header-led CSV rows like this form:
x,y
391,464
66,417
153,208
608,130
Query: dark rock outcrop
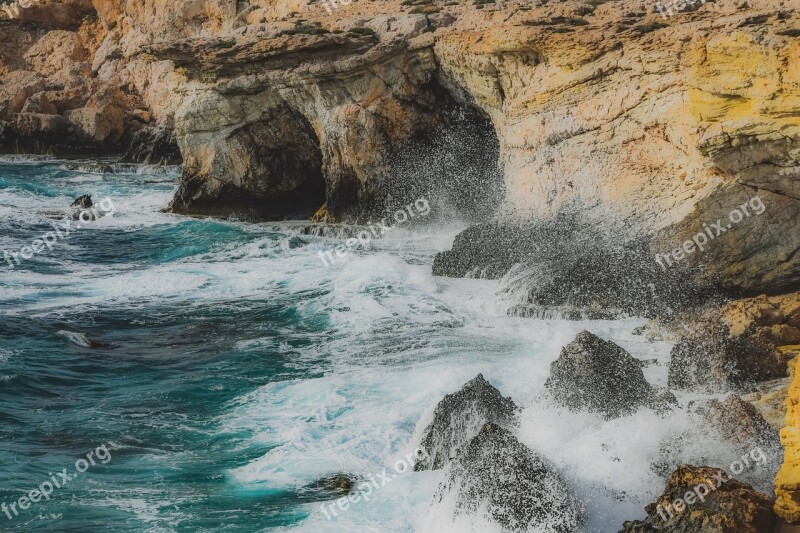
x,y
597,375
571,261
514,486
459,417
740,422
711,359
83,201
153,146
729,507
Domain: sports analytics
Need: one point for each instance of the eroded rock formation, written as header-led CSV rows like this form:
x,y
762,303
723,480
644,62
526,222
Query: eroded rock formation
x,y
597,375
503,481
459,417
700,499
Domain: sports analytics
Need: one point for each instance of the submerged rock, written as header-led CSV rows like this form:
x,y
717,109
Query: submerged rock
x,y
459,417
507,483
337,484
708,501
597,375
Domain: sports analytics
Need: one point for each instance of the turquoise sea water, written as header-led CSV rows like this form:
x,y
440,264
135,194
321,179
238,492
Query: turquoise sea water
x,y
226,368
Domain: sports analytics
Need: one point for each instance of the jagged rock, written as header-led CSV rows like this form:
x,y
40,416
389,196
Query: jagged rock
x,y
459,417
710,359
506,482
740,422
570,260
730,507
103,117
84,202
153,146
57,51
597,375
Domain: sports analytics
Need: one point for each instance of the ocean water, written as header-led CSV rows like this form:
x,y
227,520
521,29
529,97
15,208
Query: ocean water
x,y
224,368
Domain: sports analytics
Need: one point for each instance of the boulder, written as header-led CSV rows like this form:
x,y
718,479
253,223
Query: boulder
x,y
83,201
711,359
505,482
726,507
103,118
741,423
57,51
597,375
459,417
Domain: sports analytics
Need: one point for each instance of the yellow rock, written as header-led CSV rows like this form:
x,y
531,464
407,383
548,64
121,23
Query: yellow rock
x,y
787,482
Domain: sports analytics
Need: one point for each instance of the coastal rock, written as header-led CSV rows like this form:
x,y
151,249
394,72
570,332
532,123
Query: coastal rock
x,y
710,358
505,482
729,507
597,375
83,201
787,482
740,422
594,266
459,417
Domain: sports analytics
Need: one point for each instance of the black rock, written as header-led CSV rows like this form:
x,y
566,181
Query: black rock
x,y
569,260
459,417
84,202
711,359
596,375
515,487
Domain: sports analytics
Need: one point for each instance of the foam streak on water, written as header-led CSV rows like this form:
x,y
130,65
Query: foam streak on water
x,y
229,370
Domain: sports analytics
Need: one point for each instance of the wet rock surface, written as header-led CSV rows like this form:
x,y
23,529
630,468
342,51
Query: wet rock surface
x,y
725,507
459,417
596,375
712,359
598,269
740,422
501,479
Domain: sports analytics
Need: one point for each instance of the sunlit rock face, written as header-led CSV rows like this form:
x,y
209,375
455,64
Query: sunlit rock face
x,y
664,130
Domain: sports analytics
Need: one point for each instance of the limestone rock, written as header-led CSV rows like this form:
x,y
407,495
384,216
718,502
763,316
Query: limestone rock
x,y
56,51
103,118
459,417
787,482
597,375
512,486
731,507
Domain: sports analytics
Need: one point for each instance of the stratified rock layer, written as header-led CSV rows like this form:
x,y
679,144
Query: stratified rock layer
x,y
459,417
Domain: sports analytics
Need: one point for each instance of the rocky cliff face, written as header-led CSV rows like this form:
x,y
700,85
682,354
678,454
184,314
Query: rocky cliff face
x,y
280,107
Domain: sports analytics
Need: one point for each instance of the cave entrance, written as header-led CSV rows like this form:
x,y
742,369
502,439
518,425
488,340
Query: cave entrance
x,y
452,160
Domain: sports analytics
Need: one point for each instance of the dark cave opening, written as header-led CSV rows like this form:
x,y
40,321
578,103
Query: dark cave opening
x,y
453,160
